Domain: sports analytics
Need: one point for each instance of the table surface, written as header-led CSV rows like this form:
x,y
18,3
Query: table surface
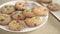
x,y
48,28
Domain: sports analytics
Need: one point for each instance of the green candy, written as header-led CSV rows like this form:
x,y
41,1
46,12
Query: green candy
x,y
20,24
27,10
6,17
35,17
21,12
9,7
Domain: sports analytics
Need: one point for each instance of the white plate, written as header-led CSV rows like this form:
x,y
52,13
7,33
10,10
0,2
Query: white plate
x,y
43,19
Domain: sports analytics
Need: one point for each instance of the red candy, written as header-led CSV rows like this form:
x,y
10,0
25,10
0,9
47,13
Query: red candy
x,y
17,21
19,16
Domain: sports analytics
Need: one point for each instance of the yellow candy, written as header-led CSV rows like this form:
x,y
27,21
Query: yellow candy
x,y
1,16
32,20
14,24
37,10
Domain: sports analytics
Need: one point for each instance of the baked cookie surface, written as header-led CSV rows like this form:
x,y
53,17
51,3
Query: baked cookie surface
x,y
34,21
20,5
8,9
18,15
4,19
28,13
40,11
17,25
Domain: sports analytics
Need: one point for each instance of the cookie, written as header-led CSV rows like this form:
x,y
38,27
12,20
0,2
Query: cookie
x,y
46,1
17,25
4,19
54,7
20,6
8,9
40,11
18,15
34,21
28,13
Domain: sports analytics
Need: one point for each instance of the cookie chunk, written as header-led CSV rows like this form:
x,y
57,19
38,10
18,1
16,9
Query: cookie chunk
x,y
4,19
20,6
18,15
54,7
8,9
34,21
40,11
